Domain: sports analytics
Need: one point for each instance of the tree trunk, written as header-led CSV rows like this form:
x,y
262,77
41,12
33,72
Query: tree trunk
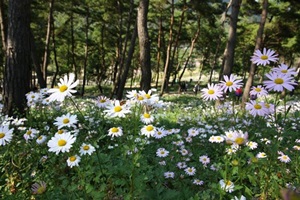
x,y
2,26
18,58
86,50
144,45
230,46
159,42
55,56
191,50
127,65
165,80
258,45
47,42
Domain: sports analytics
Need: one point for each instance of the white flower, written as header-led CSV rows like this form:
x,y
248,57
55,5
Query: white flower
x,y
41,139
169,174
73,161
252,145
230,83
65,88
261,155
284,158
116,109
190,171
198,182
115,132
61,143
204,159
30,134
86,149
102,102
148,130
67,120
278,81
5,135
147,118
162,152
227,185
264,58
212,92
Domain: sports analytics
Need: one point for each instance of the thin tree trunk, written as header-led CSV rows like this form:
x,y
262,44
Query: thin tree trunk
x,y
158,56
36,63
18,58
75,68
47,41
229,50
86,50
2,26
165,83
191,50
144,45
258,45
55,56
127,65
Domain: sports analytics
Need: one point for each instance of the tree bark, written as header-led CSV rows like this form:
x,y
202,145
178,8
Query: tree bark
x,y
47,41
228,57
2,26
86,50
165,80
18,57
144,45
127,65
258,45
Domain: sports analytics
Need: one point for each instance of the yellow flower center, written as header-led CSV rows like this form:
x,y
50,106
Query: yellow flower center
x,y
149,128
2,135
258,89
148,96
86,147
190,170
140,98
267,105
114,130
61,142
257,106
264,57
239,140
146,115
210,91
278,81
72,158
228,183
162,152
159,133
32,96
60,131
41,137
102,100
66,121
284,157
41,190
229,83
29,132
118,108
284,71
63,88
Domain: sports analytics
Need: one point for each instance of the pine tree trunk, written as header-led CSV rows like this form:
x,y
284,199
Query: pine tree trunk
x,y
258,45
18,58
144,45
229,50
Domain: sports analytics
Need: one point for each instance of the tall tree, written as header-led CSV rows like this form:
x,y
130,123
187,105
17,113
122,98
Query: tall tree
x,y
228,57
144,44
258,45
18,57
